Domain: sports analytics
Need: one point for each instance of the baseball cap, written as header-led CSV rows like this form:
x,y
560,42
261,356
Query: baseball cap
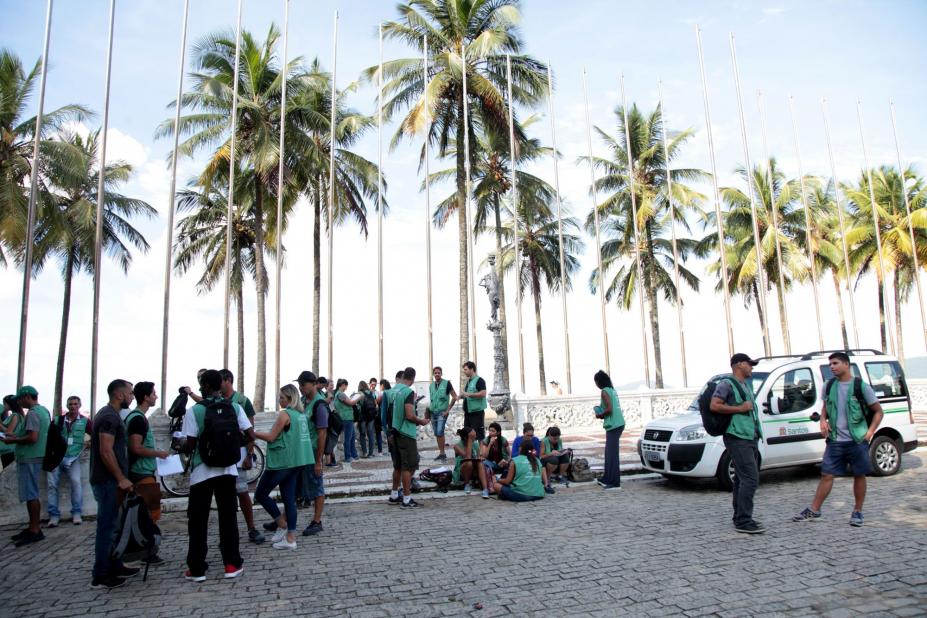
x,y
305,376
27,390
743,358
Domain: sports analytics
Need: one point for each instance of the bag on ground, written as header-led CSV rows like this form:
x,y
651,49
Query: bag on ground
x,y
137,536
580,472
55,447
219,442
441,477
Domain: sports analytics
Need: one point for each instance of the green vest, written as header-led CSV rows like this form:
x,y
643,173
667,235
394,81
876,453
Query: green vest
x,y
474,404
19,431
397,398
745,426
244,402
313,432
527,481
616,418
74,436
146,466
458,460
345,411
856,416
36,450
438,397
548,446
293,446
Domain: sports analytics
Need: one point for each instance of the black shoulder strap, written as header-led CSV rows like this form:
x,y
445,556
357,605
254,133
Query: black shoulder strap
x,y
858,392
736,385
828,387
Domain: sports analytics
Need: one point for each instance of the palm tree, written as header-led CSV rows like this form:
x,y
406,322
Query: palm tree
x,y
483,31
653,215
72,222
539,245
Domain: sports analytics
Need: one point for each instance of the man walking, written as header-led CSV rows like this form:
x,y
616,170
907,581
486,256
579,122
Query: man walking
x,y
317,410
847,402
30,449
474,404
734,396
73,427
241,482
442,398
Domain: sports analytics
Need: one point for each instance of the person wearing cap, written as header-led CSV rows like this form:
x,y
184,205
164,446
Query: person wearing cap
x,y
30,449
312,486
734,396
73,427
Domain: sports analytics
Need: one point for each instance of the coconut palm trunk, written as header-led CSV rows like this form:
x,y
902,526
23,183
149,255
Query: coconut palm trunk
x,y
499,274
898,336
843,321
260,282
651,291
63,338
462,246
240,308
536,293
317,274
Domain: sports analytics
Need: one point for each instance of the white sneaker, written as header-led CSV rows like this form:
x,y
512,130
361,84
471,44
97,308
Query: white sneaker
x,y
53,522
279,535
467,489
76,520
284,544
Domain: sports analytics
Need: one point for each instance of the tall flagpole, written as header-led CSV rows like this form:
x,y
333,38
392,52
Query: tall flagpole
x,y
672,211
380,208
717,193
33,196
876,226
637,237
907,208
280,184
101,198
598,242
426,111
840,219
331,197
230,210
759,276
563,303
770,181
512,164
808,239
169,248
470,246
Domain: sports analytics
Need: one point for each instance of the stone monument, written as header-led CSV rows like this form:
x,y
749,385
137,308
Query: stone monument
x,y
499,399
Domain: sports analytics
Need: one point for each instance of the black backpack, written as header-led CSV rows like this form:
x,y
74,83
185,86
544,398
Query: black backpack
x,y
55,447
715,424
335,422
369,407
137,536
219,442
857,392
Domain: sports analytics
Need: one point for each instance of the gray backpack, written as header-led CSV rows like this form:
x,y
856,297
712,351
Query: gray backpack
x,y
580,472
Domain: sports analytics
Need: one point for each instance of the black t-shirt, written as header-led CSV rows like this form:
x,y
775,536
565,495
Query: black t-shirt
x,y
480,386
137,426
107,421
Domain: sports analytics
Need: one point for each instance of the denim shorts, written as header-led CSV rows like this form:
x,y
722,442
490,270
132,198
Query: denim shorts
x,y
241,483
438,421
312,483
841,457
28,479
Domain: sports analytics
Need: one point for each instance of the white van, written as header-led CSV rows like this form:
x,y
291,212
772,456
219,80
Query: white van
x,y
788,391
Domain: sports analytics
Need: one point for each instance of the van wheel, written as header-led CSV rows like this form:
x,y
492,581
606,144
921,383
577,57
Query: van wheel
x,y
725,474
885,456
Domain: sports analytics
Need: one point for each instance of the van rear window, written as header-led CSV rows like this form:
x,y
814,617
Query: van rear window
x,y
887,379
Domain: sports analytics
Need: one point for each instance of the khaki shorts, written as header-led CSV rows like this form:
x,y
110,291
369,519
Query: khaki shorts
x,y
404,452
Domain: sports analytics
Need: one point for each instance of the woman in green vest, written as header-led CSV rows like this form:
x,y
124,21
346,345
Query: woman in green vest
x,y
554,456
289,449
526,478
609,411
13,424
466,458
344,408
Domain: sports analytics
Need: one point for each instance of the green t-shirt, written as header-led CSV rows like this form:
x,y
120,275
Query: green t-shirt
x,y
616,418
37,419
19,431
527,481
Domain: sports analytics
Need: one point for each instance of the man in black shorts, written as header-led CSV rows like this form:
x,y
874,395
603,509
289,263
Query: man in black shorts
x,y
404,434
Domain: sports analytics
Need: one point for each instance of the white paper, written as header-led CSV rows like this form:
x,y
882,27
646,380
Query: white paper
x,y
244,453
169,466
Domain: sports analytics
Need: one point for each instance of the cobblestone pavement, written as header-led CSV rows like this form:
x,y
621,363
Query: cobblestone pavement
x,y
651,549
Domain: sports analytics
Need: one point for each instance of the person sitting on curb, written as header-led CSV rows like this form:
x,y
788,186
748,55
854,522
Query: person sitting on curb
x,y
527,435
526,479
495,455
554,456
466,458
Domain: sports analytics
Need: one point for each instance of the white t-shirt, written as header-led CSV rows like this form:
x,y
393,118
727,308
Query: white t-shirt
x,y
203,472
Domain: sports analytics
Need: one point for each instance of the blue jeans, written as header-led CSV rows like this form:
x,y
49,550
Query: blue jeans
x,y
350,448
507,493
71,466
107,512
367,430
286,479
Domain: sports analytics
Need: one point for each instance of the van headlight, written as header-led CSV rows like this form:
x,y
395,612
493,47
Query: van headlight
x,y
692,432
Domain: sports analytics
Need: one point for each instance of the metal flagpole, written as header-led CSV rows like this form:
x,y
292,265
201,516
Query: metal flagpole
x,y
598,241
876,226
759,277
637,237
469,215
101,197
770,181
512,163
33,196
669,202
907,208
717,192
331,198
431,347
563,303
280,183
808,239
840,219
230,211
380,208
168,251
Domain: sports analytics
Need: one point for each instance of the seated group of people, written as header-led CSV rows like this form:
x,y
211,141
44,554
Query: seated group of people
x,y
520,478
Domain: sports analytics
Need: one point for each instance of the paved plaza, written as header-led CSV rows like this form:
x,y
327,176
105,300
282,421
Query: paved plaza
x,y
651,549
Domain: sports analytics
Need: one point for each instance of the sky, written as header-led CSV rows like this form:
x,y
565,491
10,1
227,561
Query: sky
x,y
841,50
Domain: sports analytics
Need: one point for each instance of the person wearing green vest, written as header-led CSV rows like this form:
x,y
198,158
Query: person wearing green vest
x,y
289,450
474,396
312,486
466,458
441,398
143,455
526,478
495,454
30,449
73,428
848,433
241,483
554,456
344,408
609,412
734,396
13,423
403,450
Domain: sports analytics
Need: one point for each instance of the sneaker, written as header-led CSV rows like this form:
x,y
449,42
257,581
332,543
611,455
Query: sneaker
x,y
284,544
330,464
600,483
313,528
190,577
30,538
411,504
76,520
113,582
441,457
270,526
127,572
396,500
807,515
255,536
53,522
549,490
154,561
856,519
467,489
485,494
751,527
232,571
20,535
278,536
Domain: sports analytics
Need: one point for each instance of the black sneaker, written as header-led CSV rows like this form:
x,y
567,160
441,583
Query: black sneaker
x,y
107,582
30,538
271,526
395,501
126,572
751,527
549,490
255,536
154,561
313,528
411,504
441,457
20,535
